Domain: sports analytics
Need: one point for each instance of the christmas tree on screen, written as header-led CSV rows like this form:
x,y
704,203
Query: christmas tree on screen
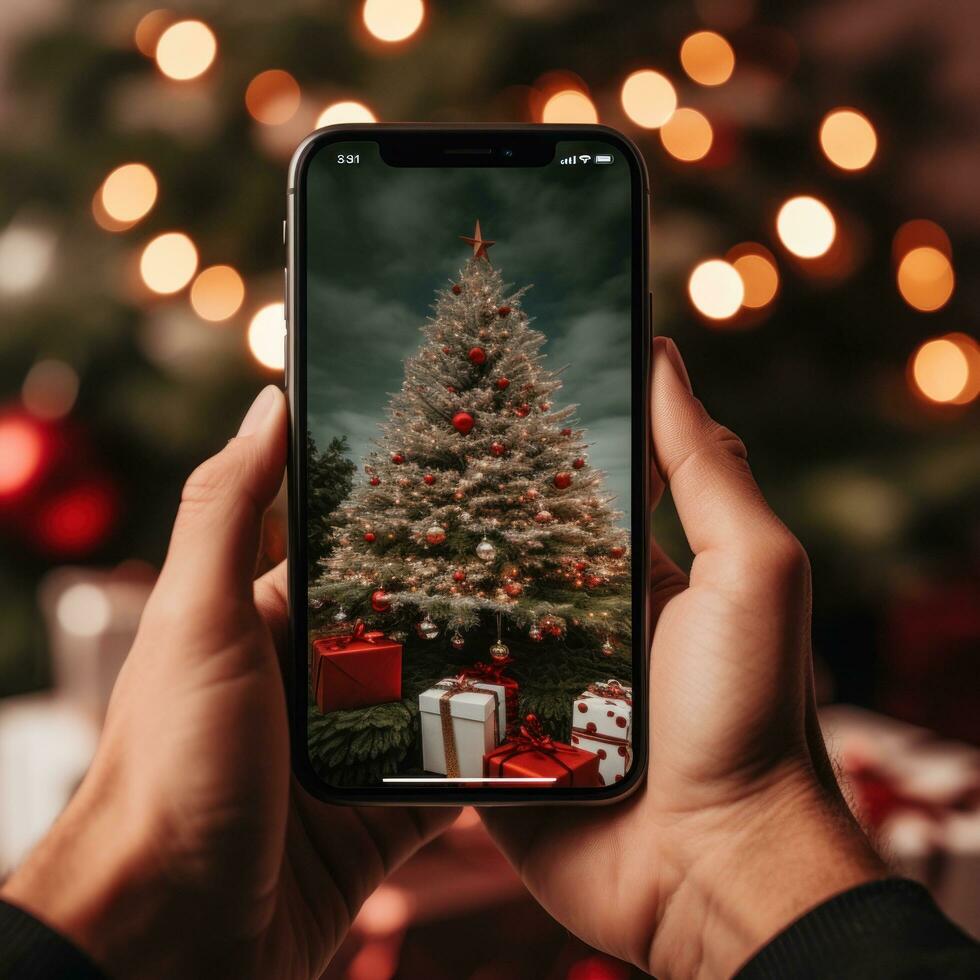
x,y
478,528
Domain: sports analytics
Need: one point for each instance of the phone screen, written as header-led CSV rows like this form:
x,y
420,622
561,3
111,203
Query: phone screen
x,y
470,393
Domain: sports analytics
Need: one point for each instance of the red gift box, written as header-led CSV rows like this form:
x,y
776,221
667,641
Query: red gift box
x,y
356,670
531,753
492,675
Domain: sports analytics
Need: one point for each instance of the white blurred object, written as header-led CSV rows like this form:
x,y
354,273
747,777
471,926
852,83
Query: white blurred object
x,y
26,256
920,796
46,744
91,617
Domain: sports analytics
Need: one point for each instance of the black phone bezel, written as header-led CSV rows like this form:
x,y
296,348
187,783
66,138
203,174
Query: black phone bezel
x,y
454,145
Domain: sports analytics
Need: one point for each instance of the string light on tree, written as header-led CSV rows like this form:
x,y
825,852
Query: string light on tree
x,y
50,389
756,266
149,29
345,112
168,262
687,135
806,226
925,278
569,106
648,98
22,450
848,139
940,370
707,58
185,50
217,293
393,20
128,193
716,289
265,336
272,97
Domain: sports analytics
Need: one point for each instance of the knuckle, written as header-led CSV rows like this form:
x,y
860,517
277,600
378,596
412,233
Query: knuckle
x,y
783,561
722,438
208,482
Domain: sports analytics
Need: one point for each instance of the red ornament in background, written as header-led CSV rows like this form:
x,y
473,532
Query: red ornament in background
x,y
447,350
513,589
566,432
544,406
380,601
497,448
617,552
563,480
580,566
532,493
397,458
78,519
459,575
428,479
543,517
502,383
503,311
592,581
374,481
369,537
435,535
459,495
522,411
451,389
457,289
477,355
463,422
578,463
22,453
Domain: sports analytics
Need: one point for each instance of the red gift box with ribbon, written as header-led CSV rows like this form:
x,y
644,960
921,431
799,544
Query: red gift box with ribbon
x,y
356,669
530,753
492,675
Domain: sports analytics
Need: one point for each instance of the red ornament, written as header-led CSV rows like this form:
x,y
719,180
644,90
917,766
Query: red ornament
x,y
435,535
457,289
566,432
617,552
369,537
380,601
578,463
563,480
544,406
502,383
459,495
497,448
477,355
532,493
503,311
522,411
580,566
447,350
459,575
397,458
375,481
428,479
592,581
513,589
451,389
543,516
463,422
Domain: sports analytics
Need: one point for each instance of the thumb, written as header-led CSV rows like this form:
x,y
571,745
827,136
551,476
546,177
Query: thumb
x,y
216,534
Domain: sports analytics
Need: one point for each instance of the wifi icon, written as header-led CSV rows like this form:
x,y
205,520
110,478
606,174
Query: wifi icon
x,y
584,157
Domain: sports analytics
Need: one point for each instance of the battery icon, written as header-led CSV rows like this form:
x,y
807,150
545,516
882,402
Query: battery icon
x,y
603,158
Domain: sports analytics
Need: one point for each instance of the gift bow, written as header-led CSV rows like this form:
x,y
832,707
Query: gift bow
x,y
487,672
359,633
611,689
531,737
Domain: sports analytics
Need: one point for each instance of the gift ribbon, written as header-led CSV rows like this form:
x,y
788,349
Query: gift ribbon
x,y
340,641
450,688
531,737
611,689
493,673
598,737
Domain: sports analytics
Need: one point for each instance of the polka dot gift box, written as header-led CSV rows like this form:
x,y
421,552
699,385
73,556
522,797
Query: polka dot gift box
x,y
602,722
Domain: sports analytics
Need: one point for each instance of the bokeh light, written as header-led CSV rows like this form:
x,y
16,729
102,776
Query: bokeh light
x,y
393,20
940,370
272,97
569,106
806,227
760,276
971,351
168,262
21,453
648,98
149,29
129,192
217,293
707,58
186,49
78,519
26,257
716,289
920,231
925,278
687,135
848,139
345,112
83,609
265,336
50,389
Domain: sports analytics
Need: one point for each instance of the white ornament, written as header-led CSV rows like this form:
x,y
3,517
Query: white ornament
x,y
485,551
340,616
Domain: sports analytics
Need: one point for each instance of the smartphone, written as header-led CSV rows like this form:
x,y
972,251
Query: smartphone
x,y
467,365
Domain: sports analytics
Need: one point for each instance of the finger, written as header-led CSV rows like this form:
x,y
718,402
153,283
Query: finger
x,y
216,534
664,580
719,504
273,605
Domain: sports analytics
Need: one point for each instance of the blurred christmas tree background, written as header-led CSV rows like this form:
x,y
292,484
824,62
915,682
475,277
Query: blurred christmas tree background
x,y
831,327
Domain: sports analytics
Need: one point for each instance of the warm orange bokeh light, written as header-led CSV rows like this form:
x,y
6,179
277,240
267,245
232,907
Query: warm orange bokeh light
x,y
149,29
707,58
848,139
920,231
272,97
940,370
716,289
129,192
648,98
393,20
687,135
760,277
971,351
345,112
21,454
569,106
265,336
168,262
925,278
217,293
186,49
806,227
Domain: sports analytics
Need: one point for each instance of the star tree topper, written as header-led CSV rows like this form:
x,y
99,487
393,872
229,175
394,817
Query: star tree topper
x,y
479,243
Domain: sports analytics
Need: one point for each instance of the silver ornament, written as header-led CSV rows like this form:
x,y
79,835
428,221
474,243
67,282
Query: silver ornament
x,y
427,629
340,616
457,641
316,603
499,651
485,551
607,648
535,634
399,636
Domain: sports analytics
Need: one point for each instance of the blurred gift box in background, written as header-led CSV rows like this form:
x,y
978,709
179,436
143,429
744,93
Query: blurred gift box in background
x,y
816,230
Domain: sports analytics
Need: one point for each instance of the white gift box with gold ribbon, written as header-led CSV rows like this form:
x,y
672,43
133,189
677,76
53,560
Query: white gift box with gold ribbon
x,y
460,724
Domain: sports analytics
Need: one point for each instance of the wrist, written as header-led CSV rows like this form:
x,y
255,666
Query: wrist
x,y
758,865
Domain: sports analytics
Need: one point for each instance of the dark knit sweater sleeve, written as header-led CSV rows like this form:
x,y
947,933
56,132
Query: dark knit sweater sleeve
x,y
888,930
30,950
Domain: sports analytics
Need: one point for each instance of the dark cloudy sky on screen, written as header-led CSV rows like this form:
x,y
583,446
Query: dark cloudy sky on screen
x,y
383,239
